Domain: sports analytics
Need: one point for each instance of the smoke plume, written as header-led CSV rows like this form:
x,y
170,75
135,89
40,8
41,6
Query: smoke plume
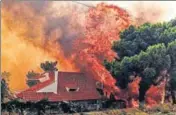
x,y
33,32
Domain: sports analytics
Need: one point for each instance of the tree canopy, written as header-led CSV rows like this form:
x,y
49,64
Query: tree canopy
x,y
49,66
31,81
5,92
147,51
46,67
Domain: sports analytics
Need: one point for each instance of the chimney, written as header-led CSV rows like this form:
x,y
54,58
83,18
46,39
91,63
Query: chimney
x,y
51,87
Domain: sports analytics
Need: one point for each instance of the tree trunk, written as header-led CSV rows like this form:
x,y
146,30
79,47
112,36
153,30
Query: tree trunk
x,y
163,96
163,92
22,113
38,112
173,94
143,87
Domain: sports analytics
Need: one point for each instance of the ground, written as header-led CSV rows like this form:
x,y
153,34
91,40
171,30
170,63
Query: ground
x,y
166,109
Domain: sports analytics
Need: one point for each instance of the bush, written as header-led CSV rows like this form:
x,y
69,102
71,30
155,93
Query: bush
x,y
161,108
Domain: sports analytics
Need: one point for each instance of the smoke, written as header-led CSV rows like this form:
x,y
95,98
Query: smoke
x,y
37,31
33,32
147,12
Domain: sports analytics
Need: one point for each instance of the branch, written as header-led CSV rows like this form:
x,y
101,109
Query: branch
x,y
84,4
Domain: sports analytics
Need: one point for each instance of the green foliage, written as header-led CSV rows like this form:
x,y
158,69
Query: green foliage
x,y
4,89
31,83
172,52
149,72
4,85
171,49
173,79
32,74
172,23
134,40
145,51
21,105
5,75
46,66
146,64
49,66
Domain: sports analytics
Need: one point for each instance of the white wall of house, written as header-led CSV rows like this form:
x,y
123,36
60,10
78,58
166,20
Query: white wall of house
x,y
52,87
44,78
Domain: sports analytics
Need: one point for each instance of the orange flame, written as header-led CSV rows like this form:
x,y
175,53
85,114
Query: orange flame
x,y
103,24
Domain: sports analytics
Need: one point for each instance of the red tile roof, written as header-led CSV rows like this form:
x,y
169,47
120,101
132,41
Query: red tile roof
x,y
86,84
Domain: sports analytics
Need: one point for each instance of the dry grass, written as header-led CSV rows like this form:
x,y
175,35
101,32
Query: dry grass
x,y
165,109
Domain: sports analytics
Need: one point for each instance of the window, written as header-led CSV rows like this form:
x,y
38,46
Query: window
x,y
72,89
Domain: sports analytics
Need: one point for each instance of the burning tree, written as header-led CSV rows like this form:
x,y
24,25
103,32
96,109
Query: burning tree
x,y
147,51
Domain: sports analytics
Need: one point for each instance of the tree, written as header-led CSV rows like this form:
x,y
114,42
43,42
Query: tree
x,y
5,75
65,107
41,106
49,66
46,66
5,92
32,74
172,83
31,83
172,52
31,80
16,104
147,51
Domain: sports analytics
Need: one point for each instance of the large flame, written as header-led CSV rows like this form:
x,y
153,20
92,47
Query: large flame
x,y
103,24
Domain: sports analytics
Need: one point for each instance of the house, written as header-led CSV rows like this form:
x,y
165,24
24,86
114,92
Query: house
x,y
62,86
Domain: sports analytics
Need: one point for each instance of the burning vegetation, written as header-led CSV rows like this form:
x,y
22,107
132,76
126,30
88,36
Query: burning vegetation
x,y
80,38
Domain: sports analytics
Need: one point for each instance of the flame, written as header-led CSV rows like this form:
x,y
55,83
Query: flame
x,y
154,94
103,24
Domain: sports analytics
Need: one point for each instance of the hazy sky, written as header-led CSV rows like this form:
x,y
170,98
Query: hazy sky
x,y
169,7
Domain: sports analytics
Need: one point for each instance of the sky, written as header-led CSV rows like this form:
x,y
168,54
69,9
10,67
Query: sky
x,y
168,7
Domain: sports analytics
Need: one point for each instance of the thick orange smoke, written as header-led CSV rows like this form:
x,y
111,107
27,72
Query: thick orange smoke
x,y
37,31
28,39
